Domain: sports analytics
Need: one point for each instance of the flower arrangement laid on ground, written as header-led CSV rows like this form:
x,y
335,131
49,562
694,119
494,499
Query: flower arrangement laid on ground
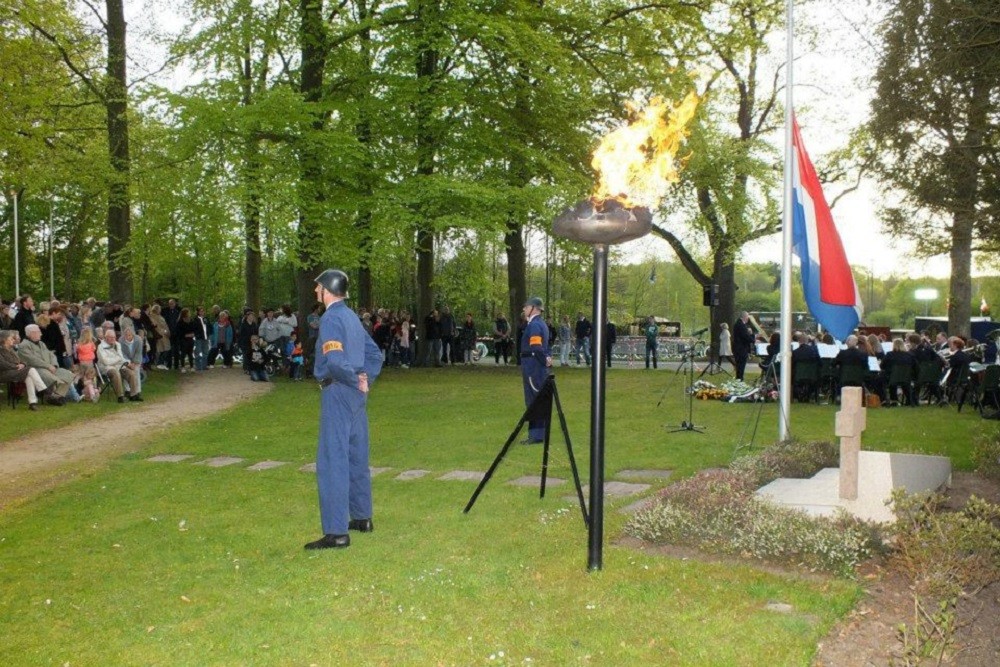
x,y
704,390
734,391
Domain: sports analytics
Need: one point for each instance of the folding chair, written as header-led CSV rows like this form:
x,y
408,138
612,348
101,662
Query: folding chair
x,y
854,376
966,385
805,379
103,383
828,378
928,381
15,390
989,389
901,377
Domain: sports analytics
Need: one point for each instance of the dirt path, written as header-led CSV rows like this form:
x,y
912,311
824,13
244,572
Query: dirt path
x,y
41,460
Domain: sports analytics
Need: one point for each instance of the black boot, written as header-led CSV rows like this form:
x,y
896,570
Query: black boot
x,y
330,542
361,525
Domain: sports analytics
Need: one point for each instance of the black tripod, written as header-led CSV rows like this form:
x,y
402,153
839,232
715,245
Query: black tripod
x,y
540,408
689,424
767,381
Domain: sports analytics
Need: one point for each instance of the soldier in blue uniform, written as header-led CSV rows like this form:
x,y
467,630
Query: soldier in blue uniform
x,y
535,362
346,364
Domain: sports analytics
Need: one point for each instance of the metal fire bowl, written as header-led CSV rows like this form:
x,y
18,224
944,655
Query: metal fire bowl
x,y
603,223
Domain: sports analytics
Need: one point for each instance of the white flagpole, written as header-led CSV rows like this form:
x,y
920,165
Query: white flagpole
x,y
785,386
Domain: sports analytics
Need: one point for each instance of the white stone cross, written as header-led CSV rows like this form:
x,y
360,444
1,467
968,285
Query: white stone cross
x,y
851,421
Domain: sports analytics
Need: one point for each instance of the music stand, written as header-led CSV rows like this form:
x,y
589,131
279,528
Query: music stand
x,y
540,408
689,424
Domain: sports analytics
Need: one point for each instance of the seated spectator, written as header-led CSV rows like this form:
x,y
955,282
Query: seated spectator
x,y
113,364
52,337
86,348
254,361
12,369
899,357
88,384
133,347
295,358
34,353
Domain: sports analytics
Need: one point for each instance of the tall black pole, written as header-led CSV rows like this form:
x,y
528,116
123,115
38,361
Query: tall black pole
x,y
597,370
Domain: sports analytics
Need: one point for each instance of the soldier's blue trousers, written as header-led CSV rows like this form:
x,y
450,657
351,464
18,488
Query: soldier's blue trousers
x,y
533,375
342,474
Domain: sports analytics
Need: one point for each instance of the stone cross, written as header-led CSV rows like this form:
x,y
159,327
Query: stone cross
x,y
849,425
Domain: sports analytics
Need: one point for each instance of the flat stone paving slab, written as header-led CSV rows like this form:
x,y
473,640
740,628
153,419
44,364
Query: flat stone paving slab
x,y
309,467
170,458
620,489
644,474
267,465
463,475
378,471
411,474
640,504
220,461
536,480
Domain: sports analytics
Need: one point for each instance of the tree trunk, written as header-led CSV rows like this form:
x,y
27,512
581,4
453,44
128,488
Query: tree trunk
x,y
965,174
118,224
251,188
723,275
312,41
425,274
516,268
363,131
960,285
427,73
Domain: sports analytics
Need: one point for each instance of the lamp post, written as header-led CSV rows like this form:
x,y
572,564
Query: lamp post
x,y
17,251
926,295
52,264
600,225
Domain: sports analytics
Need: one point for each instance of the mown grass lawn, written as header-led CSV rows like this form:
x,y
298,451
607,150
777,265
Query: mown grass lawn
x,y
178,564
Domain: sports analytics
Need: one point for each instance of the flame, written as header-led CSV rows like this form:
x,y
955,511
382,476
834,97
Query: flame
x,y
637,162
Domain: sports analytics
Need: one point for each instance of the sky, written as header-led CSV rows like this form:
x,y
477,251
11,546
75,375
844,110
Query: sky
x,y
832,95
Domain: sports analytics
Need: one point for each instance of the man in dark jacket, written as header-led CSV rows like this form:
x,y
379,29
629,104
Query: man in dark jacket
x,y
25,314
432,338
743,340
172,315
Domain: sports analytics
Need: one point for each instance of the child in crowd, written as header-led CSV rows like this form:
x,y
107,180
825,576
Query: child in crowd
x,y
255,364
403,338
88,383
86,349
294,354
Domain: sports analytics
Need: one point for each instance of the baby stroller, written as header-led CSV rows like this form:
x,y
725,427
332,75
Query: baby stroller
x,y
393,356
273,360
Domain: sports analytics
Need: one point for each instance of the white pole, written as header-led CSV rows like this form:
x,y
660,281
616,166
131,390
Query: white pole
x,y
52,271
17,253
785,386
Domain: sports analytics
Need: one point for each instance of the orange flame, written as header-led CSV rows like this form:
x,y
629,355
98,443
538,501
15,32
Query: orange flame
x,y
637,162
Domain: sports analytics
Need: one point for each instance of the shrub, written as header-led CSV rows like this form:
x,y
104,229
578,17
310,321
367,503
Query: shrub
x,y
986,453
717,511
753,528
945,553
788,459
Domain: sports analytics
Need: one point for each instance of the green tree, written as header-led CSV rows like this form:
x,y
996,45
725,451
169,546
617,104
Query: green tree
x,y
935,121
730,178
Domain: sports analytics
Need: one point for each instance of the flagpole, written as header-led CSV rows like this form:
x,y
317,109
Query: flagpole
x,y
785,386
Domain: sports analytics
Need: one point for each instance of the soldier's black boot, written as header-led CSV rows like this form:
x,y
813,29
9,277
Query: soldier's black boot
x,y
330,542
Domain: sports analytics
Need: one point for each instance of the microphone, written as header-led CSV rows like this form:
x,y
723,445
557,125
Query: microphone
x,y
699,332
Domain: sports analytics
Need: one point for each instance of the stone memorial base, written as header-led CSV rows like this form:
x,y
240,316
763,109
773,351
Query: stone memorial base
x,y
879,473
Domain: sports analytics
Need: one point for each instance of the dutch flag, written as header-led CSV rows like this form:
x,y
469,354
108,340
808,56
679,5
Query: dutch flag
x,y
830,291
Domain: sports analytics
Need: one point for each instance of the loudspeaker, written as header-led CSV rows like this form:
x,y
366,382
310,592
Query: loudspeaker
x,y
710,295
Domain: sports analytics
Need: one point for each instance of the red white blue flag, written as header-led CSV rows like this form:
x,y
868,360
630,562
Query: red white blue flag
x,y
830,291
